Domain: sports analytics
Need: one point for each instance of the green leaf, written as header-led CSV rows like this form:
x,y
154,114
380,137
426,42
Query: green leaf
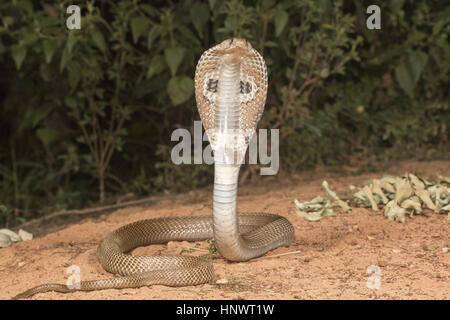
x,y
71,41
33,117
270,44
439,25
267,4
26,5
189,36
415,37
99,40
29,39
199,16
212,4
47,136
157,64
409,71
144,88
74,75
65,57
45,72
404,78
396,5
174,56
18,52
180,89
418,60
153,34
138,26
49,47
71,102
151,11
281,19
8,21
38,116
327,26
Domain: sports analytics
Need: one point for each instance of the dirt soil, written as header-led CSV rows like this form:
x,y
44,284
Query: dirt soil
x,y
408,260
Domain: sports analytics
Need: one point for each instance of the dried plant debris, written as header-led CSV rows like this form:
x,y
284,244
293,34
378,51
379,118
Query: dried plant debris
x,y
8,237
407,195
314,210
320,207
401,196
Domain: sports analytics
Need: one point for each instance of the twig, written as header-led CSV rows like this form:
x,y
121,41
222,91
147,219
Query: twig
x,y
155,198
199,249
277,255
87,211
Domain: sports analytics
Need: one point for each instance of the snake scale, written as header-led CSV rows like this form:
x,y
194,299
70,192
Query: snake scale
x,y
230,89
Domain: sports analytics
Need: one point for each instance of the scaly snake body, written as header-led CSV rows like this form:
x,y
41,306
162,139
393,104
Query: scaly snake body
x,y
230,89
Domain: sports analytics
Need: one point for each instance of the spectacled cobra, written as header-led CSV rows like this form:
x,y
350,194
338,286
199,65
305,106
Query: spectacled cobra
x,y
230,89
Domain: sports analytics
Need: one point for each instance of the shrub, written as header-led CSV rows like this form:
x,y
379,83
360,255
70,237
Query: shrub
x,y
88,113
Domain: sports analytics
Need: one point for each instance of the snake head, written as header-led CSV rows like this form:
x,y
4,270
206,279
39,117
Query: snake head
x,y
235,43
231,89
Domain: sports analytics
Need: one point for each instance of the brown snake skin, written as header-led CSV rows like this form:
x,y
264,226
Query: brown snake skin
x,y
215,81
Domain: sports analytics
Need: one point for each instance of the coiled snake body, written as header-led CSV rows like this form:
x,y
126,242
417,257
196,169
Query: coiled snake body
x,y
230,89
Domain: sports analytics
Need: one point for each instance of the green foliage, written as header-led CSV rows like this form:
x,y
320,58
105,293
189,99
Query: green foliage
x,y
88,113
409,71
180,89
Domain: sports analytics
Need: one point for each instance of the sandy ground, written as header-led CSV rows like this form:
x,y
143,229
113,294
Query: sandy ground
x,y
335,252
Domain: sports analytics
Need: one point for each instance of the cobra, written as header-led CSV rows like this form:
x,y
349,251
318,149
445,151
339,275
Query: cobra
x,y
230,89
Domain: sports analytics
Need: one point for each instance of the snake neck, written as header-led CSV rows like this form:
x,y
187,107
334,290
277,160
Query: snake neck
x,y
226,233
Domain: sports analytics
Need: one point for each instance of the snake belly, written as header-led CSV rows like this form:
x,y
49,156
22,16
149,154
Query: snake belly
x,y
230,89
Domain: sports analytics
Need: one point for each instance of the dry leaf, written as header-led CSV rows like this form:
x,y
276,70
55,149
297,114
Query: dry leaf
x,y
425,197
11,234
25,235
369,195
5,240
376,189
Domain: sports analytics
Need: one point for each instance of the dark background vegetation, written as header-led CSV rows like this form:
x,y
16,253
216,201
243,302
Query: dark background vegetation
x,y
86,115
